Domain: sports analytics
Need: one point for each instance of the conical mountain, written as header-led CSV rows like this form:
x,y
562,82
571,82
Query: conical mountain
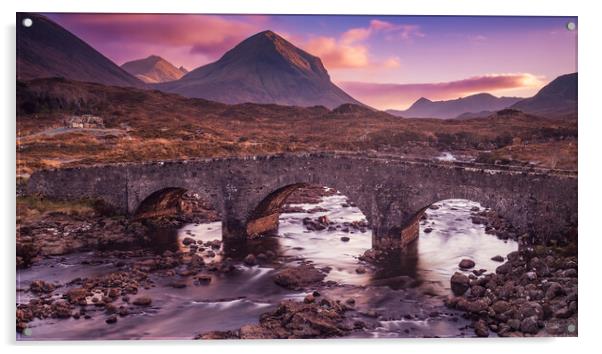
x,y
48,50
264,68
154,69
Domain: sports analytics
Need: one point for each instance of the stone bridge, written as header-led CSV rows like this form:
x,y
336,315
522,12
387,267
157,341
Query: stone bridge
x,y
391,192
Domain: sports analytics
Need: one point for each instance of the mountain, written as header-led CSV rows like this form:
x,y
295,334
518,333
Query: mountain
x,y
48,50
264,68
555,100
482,102
154,69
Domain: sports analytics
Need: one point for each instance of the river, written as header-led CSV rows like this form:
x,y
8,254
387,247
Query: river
x,y
402,298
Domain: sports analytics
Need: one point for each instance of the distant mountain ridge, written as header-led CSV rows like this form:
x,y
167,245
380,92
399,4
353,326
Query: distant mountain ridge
x,y
154,69
558,99
482,102
48,50
264,68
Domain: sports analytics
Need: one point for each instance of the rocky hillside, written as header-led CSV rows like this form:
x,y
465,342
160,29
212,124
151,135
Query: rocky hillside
x,y
558,99
48,50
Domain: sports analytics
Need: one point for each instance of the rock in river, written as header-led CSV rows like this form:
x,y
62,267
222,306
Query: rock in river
x,y
466,263
298,277
142,301
459,283
481,329
497,258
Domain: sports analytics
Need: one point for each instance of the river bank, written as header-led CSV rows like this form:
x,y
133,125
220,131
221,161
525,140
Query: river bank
x,y
181,282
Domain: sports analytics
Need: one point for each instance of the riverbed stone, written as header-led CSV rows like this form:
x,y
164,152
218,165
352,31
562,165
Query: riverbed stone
x,y
142,301
297,277
529,325
459,283
250,260
40,286
481,329
497,258
466,263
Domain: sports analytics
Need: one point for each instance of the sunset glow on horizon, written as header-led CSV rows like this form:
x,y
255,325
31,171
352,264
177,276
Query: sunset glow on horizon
x,y
383,61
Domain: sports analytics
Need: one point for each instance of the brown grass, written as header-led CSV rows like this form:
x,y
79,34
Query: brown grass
x,y
158,126
33,207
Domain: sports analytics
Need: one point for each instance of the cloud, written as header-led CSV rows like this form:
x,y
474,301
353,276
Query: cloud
x,y
193,40
336,54
206,35
392,62
402,95
350,49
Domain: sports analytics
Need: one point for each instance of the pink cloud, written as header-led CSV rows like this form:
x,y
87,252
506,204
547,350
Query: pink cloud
x,y
385,96
335,54
392,62
350,49
408,32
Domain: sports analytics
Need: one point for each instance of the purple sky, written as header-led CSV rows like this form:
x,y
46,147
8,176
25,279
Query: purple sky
x,y
384,61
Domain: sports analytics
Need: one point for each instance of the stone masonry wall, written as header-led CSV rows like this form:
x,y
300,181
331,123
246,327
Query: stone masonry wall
x,y
390,192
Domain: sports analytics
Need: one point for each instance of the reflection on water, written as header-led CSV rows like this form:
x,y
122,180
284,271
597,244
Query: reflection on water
x,y
447,235
454,237
325,248
234,299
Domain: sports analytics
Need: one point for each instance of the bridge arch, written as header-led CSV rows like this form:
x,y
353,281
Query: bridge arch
x,y
174,200
164,201
264,217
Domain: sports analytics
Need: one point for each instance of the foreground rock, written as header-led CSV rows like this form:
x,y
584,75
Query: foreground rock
x,y
323,318
101,292
58,232
533,294
459,284
296,278
466,264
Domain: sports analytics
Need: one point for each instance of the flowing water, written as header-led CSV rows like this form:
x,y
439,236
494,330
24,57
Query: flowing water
x,y
401,309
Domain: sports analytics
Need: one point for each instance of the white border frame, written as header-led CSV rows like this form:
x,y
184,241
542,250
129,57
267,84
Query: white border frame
x,y
589,191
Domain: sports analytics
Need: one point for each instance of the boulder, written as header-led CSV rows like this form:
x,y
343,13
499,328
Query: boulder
x,y
466,263
76,295
459,283
481,329
504,268
188,241
297,277
142,301
40,286
529,325
500,306
250,260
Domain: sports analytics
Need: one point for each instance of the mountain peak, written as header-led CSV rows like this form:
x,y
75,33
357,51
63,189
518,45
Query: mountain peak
x,y
48,50
269,47
481,95
477,103
153,69
264,68
558,99
269,34
154,58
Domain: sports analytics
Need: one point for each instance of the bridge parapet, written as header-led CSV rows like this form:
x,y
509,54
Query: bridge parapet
x,y
389,191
